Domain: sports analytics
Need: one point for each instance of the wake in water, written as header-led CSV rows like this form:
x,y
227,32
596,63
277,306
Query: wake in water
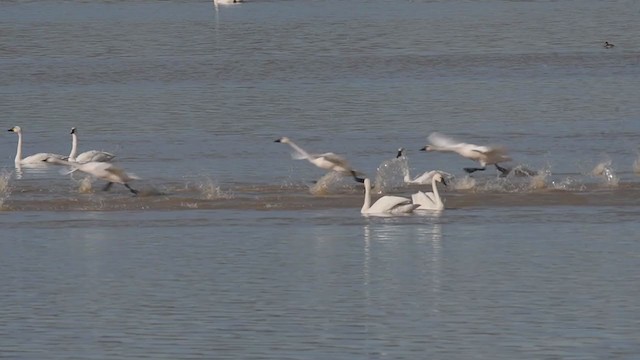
x,y
5,190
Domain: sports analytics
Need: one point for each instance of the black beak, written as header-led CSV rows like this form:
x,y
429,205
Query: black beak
x,y
277,140
424,149
444,182
10,130
399,154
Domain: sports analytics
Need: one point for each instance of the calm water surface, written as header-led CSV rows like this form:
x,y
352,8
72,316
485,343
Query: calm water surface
x,y
234,251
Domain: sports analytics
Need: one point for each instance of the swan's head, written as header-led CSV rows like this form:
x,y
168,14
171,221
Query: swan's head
x,y
15,129
283,140
400,153
439,178
73,130
427,148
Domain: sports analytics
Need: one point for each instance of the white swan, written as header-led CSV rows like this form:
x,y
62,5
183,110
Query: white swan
x,y
485,155
430,200
327,161
35,159
101,170
226,2
87,156
423,179
386,204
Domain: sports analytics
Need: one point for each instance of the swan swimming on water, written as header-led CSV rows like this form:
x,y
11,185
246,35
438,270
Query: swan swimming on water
x,y
101,170
327,161
385,205
485,155
87,156
430,200
35,159
423,179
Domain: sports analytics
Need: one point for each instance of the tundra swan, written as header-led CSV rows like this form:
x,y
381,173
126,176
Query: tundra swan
x,y
485,155
87,156
423,179
386,204
101,170
608,45
430,200
327,161
35,159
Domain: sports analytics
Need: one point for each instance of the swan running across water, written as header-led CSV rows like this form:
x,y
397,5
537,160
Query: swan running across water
x,y
87,156
485,155
35,159
101,170
423,179
327,161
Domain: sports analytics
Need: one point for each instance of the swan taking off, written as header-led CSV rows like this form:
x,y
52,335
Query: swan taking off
x,y
430,200
87,156
327,161
485,155
423,179
101,170
35,159
386,204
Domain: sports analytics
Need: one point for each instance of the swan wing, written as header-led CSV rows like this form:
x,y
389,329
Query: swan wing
x,y
388,203
445,142
334,158
94,155
425,178
39,158
420,198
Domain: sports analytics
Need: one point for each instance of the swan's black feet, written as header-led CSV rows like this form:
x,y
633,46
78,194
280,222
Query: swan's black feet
x,y
472,170
134,191
107,187
504,171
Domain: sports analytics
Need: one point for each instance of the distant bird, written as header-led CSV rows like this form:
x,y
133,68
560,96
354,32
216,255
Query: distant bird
x,y
385,205
430,200
101,170
87,156
327,161
35,159
423,179
608,45
485,155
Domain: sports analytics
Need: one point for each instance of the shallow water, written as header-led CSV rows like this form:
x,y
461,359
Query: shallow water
x,y
234,250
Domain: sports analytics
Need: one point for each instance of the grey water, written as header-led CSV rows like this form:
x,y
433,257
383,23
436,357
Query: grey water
x,y
233,250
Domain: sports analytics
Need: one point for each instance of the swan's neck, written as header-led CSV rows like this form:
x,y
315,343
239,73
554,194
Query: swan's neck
x,y
74,147
298,149
18,158
367,197
436,194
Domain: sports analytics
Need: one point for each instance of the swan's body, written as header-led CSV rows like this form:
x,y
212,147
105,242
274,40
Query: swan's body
x,y
87,156
226,2
101,170
386,204
423,179
35,159
429,200
485,155
608,45
327,161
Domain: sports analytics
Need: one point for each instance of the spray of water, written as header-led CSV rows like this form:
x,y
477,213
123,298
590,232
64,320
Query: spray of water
x,y
605,171
211,191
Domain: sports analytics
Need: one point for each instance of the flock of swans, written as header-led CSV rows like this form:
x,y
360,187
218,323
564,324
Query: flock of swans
x,y
98,164
93,162
484,155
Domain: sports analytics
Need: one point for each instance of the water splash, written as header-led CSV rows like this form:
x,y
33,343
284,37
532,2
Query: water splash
x,y
331,183
465,183
5,189
85,185
211,191
606,171
390,174
636,165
